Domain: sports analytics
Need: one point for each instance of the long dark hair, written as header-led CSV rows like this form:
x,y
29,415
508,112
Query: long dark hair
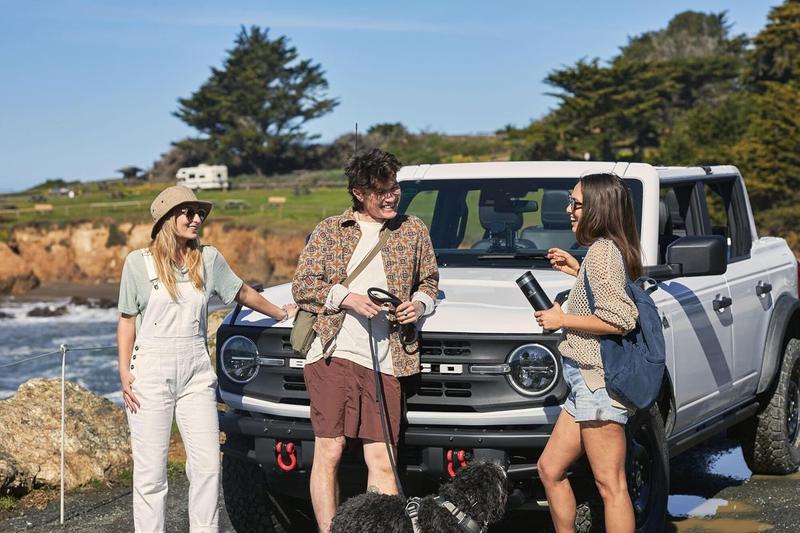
x,y
608,213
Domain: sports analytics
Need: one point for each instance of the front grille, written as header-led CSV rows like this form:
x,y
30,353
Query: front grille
x,y
294,383
449,389
445,347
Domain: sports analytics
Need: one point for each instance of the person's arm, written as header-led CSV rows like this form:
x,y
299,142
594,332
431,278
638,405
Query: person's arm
x,y
554,319
126,336
310,286
249,297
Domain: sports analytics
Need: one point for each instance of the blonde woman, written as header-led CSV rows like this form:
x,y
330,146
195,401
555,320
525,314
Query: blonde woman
x,y
164,365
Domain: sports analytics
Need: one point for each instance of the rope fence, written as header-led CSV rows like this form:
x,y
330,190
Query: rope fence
x,y
62,350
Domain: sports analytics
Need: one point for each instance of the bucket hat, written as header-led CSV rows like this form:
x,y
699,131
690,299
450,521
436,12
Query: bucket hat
x,y
170,198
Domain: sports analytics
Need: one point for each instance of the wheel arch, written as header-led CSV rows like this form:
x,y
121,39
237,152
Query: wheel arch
x,y
783,325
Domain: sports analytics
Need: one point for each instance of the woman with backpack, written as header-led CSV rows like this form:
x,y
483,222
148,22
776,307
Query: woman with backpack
x,y
164,364
592,421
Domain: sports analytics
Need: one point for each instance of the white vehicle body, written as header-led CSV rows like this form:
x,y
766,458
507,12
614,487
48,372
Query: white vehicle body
x,y
725,333
204,177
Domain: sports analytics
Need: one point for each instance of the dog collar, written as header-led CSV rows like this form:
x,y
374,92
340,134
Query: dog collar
x,y
412,510
465,522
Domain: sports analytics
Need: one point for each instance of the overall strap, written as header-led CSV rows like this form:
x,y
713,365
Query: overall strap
x,y
150,265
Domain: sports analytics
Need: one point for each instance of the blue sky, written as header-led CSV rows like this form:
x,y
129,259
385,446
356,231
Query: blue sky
x,y
89,85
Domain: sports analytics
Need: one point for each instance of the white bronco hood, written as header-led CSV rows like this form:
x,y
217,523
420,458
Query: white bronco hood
x,y
470,300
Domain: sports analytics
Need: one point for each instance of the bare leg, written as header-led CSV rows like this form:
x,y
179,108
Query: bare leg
x,y
563,449
605,448
381,477
324,484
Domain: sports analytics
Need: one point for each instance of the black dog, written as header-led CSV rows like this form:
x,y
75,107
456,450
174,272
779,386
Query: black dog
x,y
478,491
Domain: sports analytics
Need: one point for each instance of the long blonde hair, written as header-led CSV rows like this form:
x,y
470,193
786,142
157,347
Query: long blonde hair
x,y
164,248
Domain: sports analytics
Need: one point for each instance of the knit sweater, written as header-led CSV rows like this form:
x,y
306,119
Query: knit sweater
x,y
606,272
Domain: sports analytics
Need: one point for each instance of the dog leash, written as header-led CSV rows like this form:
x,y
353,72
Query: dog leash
x,y
465,522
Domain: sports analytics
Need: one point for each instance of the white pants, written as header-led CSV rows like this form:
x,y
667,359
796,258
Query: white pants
x,y
174,374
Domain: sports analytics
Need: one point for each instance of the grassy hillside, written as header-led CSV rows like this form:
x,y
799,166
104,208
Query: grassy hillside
x,y
309,197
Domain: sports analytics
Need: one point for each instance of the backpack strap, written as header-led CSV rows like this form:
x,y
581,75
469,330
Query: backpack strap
x,y
150,265
588,289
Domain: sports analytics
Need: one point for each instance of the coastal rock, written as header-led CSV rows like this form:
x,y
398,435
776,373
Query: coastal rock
x,y
3,314
48,311
97,443
16,274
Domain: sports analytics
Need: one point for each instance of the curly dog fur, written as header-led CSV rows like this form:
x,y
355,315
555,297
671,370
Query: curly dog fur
x,y
479,490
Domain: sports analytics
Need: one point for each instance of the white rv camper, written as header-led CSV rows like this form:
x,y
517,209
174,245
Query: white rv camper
x,y
204,177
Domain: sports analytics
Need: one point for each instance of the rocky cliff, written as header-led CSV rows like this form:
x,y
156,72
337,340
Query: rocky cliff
x,y
95,253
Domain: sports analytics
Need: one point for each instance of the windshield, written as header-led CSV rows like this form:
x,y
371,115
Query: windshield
x,y
497,222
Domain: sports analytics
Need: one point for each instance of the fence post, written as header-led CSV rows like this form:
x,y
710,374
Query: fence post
x,y
63,349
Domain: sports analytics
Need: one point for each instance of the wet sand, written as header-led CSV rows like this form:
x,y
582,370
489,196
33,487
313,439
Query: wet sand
x,y
60,290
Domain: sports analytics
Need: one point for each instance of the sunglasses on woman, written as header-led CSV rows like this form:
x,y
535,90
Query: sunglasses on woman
x,y
574,204
190,212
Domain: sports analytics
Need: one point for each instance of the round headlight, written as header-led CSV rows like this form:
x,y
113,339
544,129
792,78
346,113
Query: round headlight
x,y
534,369
239,359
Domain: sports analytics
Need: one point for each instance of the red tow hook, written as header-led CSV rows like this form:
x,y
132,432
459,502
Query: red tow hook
x,y
289,451
456,461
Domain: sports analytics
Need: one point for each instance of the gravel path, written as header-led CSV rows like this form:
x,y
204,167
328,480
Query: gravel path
x,y
712,491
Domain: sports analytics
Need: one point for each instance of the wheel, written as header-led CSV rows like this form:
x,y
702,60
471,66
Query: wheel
x,y
252,507
647,469
771,440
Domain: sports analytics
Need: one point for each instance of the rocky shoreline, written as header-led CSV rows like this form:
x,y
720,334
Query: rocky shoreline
x,y
85,256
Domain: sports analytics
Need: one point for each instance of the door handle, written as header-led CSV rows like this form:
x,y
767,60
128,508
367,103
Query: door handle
x,y
721,303
763,288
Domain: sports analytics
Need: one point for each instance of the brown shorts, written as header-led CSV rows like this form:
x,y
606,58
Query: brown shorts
x,y
343,400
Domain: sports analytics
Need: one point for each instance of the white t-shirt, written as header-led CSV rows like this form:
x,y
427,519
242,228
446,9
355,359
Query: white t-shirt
x,y
352,341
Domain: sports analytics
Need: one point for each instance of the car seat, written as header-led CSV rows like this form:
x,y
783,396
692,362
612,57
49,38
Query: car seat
x,y
500,227
556,228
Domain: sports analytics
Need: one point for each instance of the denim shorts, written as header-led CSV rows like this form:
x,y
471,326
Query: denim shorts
x,y
585,405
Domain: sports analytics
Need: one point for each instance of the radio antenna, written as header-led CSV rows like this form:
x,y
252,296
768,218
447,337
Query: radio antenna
x,y
355,146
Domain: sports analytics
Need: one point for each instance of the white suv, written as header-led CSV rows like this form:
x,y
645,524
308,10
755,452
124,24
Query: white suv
x,y
491,384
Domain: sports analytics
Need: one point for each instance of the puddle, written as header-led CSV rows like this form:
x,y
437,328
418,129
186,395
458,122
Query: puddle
x,y
686,505
731,464
724,525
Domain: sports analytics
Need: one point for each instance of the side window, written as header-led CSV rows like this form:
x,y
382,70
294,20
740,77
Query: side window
x,y
677,216
727,215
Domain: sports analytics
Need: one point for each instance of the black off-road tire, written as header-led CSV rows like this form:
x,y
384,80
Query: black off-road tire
x,y
647,469
253,508
771,440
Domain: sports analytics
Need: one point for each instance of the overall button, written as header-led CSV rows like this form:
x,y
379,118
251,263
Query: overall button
x,y
135,347
131,367
134,356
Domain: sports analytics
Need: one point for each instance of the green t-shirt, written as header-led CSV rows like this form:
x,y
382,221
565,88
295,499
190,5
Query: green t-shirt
x,y
135,286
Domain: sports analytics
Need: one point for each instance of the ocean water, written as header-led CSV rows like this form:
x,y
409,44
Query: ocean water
x,y
82,327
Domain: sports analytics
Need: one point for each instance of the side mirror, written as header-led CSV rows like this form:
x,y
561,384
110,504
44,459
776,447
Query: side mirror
x,y
705,255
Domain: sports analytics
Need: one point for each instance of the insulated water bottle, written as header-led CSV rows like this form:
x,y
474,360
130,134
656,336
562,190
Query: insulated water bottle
x,y
534,292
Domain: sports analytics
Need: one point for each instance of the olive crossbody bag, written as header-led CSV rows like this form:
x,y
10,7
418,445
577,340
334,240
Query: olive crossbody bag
x,y
303,333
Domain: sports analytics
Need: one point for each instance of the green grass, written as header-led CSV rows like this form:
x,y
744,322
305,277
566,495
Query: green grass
x,y
175,469
7,503
116,203
126,476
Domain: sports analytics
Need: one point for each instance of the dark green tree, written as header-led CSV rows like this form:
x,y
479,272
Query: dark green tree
x,y
776,54
251,112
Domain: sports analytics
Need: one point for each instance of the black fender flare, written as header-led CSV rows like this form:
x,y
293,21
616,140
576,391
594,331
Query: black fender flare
x,y
785,316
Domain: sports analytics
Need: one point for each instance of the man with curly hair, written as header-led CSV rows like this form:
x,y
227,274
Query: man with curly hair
x,y
338,370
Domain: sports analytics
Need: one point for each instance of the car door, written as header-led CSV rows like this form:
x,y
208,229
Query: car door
x,y
751,301
694,310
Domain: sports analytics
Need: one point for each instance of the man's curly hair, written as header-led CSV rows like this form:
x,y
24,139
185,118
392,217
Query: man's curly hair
x,y
364,171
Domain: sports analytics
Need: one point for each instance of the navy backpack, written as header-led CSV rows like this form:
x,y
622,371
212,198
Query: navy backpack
x,y
633,364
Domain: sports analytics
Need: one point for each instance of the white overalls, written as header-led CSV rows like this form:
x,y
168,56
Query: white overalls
x,y
172,371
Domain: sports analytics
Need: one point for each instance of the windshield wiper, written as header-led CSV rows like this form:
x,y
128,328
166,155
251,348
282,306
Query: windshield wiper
x,y
537,255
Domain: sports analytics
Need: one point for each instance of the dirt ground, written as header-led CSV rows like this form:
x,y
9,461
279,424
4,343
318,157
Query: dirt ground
x,y
712,491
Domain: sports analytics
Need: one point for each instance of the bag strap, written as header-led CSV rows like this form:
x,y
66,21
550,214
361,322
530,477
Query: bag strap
x,y
384,236
588,289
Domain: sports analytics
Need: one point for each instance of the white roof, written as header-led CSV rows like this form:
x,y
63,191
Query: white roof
x,y
554,169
